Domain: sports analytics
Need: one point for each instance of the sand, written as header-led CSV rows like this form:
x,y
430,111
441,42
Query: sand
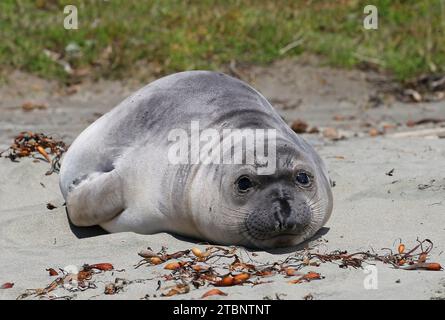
x,y
372,209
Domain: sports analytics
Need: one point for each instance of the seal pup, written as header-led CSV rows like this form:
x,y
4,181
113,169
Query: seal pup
x,y
118,173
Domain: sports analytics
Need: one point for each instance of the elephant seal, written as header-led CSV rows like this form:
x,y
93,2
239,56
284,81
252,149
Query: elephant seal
x,y
118,173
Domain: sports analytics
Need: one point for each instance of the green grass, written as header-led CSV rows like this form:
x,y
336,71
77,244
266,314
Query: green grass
x,y
164,36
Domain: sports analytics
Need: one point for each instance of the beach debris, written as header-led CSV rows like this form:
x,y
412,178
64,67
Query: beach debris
x,y
226,281
290,272
310,276
155,260
30,106
104,59
313,130
299,39
386,126
230,280
160,257
339,117
40,292
432,266
299,126
30,144
213,292
432,185
201,255
73,49
332,134
399,260
390,172
277,296
147,253
52,272
110,288
285,104
174,265
57,58
177,289
374,132
412,123
219,267
376,100
234,70
71,269
309,296
413,95
71,279
426,88
423,133
225,267
422,257
72,89
50,206
7,285
116,286
99,266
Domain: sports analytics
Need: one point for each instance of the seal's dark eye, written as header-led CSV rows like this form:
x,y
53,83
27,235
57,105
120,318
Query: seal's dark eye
x,y
244,184
303,178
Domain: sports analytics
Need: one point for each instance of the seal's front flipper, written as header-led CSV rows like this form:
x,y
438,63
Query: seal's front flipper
x,y
95,198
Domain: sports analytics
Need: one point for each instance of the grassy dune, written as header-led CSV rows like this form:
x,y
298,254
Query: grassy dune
x,y
117,37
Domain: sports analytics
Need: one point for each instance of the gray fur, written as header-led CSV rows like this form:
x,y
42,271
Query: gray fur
x,y
116,173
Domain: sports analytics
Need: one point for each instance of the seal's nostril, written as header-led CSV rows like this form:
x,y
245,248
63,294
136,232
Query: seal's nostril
x,y
284,207
294,221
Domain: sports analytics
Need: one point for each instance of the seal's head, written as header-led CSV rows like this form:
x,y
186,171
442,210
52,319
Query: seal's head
x,y
280,209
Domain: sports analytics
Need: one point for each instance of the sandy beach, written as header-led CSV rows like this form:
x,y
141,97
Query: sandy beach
x,y
372,209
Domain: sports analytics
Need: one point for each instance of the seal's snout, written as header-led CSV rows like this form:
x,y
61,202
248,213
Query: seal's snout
x,y
291,220
286,216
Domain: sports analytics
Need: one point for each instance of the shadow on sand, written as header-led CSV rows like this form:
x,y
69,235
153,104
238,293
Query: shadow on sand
x,y
85,232
300,246
284,250
94,231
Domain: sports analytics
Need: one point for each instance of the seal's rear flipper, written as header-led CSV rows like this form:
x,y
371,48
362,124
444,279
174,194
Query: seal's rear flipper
x,y
95,198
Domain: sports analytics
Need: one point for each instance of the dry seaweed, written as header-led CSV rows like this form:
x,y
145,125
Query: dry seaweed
x,y
72,282
224,267
220,267
7,285
29,144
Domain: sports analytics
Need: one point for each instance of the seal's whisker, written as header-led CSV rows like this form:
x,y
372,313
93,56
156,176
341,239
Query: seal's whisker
x,y
317,206
237,210
237,228
318,202
236,215
232,222
312,198
318,210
